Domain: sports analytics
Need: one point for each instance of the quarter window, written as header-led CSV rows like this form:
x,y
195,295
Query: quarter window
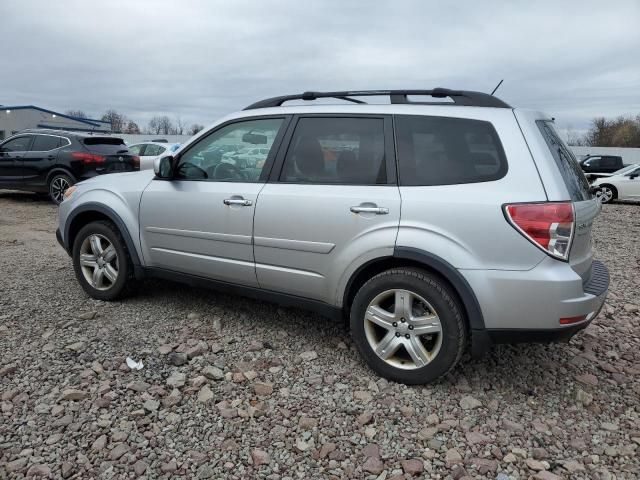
x,y
44,143
228,154
19,144
447,151
336,151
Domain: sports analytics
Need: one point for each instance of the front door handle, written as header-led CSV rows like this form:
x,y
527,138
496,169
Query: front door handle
x,y
376,210
237,201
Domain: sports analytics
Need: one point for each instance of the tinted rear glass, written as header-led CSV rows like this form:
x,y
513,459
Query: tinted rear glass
x,y
328,150
105,145
44,143
572,174
447,151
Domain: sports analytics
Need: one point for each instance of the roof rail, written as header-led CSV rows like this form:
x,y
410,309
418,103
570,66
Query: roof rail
x,y
459,97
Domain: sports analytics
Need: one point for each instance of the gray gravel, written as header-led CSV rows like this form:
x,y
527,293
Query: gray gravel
x,y
235,388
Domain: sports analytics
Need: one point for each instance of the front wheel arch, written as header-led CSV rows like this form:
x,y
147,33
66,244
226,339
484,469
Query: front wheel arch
x,y
84,214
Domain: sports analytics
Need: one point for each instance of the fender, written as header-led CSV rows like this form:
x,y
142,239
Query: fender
x,y
113,216
480,341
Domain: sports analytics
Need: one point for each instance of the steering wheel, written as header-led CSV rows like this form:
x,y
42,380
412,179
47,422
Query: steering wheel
x,y
224,171
189,170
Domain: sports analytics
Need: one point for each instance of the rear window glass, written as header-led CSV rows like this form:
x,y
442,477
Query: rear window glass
x,y
447,151
105,145
572,174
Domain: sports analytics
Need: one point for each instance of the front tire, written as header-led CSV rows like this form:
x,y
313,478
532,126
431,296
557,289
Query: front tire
x,y
408,326
607,193
101,261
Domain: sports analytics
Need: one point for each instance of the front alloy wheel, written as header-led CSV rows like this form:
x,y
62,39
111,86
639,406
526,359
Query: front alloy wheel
x,y
99,262
605,194
403,329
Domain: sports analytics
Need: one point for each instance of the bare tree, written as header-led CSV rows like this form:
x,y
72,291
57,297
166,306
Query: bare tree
x,y
117,120
76,113
161,125
153,126
195,128
132,127
166,127
620,132
180,126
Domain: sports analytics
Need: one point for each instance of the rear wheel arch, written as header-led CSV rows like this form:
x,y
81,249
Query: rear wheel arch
x,y
90,212
57,170
416,258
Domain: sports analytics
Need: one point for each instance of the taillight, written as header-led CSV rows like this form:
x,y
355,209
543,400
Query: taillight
x,y
136,161
88,158
549,226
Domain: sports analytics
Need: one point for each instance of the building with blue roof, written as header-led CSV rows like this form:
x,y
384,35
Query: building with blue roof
x,y
15,118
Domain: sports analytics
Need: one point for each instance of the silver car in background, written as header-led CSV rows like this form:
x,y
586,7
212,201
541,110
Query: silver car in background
x,y
149,151
431,227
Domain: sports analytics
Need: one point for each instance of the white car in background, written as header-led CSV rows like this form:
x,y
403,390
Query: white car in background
x,y
149,151
621,185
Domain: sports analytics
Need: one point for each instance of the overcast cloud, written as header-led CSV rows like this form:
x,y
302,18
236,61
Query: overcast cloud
x,y
202,59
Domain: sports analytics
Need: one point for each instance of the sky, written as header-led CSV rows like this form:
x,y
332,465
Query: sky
x,y
200,60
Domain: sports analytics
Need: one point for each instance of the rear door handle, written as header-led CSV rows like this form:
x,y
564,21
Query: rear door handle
x,y
376,210
237,201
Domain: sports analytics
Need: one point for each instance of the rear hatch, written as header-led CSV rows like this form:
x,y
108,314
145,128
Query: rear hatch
x,y
110,154
586,206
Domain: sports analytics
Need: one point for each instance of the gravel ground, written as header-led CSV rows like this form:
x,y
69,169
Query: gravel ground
x,y
235,388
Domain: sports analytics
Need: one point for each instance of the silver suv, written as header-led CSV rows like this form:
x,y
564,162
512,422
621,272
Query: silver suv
x,y
433,226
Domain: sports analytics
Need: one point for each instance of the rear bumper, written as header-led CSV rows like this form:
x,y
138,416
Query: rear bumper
x,y
527,306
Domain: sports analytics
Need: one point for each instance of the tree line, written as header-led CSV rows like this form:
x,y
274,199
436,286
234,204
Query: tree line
x,y
158,125
617,132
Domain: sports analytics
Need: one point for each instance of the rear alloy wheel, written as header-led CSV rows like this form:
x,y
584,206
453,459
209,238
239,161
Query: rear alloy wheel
x,y
606,193
101,261
403,329
408,325
58,184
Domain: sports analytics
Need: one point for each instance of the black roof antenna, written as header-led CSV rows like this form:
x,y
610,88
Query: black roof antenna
x,y
497,86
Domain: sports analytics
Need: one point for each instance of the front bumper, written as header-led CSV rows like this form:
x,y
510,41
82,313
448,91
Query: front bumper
x,y
527,306
60,241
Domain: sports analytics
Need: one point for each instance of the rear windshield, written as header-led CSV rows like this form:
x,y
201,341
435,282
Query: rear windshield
x,y
105,145
572,174
447,151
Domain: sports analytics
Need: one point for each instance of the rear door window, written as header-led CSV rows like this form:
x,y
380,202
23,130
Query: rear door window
x,y
327,150
44,143
573,176
447,151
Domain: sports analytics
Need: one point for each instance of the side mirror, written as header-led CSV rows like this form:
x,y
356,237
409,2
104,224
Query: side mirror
x,y
163,167
634,175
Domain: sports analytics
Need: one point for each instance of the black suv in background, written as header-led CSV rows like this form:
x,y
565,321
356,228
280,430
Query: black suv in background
x,y
594,164
50,161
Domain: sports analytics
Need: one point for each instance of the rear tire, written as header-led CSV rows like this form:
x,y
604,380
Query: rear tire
x,y
408,325
101,261
58,184
607,193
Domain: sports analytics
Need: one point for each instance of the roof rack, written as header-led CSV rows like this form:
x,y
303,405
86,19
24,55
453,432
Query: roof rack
x,y
459,97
